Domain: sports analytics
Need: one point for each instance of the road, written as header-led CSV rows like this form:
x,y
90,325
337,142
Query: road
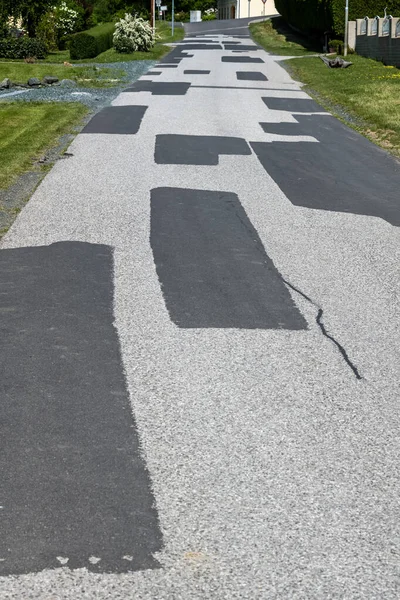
x,y
200,347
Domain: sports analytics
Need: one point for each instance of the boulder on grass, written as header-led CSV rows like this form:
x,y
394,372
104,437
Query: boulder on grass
x,y
6,84
33,81
49,79
336,63
67,82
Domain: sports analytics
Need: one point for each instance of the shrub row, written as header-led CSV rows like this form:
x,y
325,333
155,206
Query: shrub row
x,y
90,43
22,48
328,15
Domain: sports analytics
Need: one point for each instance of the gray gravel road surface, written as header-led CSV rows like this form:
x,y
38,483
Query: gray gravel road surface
x,y
204,281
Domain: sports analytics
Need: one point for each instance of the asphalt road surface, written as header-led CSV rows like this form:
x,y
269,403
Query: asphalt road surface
x,y
200,347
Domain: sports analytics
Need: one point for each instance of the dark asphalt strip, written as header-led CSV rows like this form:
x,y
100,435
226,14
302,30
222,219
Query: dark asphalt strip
x,y
74,488
123,120
196,149
207,257
335,174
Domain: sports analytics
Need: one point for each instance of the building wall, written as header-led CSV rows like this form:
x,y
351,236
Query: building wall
x,y
239,9
376,38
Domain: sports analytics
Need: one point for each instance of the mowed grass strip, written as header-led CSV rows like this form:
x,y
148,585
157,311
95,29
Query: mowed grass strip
x,y
368,92
20,72
277,38
27,130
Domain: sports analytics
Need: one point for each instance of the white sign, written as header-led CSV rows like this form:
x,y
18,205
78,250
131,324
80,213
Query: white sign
x,y
158,2
163,8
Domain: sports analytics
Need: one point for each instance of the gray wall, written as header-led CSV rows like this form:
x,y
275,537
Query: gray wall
x,y
376,38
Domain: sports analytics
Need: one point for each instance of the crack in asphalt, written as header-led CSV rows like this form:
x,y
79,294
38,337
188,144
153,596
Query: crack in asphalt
x,y
324,331
318,319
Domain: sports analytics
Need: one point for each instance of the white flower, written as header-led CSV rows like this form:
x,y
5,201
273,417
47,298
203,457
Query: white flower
x,y
133,34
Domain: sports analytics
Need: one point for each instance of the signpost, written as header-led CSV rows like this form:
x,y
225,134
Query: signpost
x,y
263,1
346,28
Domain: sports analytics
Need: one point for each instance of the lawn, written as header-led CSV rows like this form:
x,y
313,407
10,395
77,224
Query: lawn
x,y
20,72
163,32
28,129
368,92
277,38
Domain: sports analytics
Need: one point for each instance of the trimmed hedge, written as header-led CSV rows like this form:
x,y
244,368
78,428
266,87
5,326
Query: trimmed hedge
x,y
328,15
22,48
90,43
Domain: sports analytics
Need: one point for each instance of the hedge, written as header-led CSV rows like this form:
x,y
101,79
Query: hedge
x,y
328,15
22,48
90,43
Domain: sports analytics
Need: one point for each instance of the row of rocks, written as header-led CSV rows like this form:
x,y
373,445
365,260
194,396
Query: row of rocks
x,y
34,82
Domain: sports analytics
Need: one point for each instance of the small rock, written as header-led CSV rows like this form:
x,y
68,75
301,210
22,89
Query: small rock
x,y
5,84
67,82
49,79
33,81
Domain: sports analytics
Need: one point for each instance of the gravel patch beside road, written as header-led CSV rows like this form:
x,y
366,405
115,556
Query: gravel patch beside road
x,y
95,98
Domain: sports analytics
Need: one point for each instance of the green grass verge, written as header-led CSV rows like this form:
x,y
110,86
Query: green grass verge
x,y
368,92
277,38
20,72
28,129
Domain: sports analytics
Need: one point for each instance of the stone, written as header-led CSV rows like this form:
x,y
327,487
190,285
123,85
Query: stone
x,y
336,63
50,79
5,84
33,81
67,82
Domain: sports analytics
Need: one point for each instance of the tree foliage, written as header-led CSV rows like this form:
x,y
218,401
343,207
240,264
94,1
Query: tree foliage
x,y
328,15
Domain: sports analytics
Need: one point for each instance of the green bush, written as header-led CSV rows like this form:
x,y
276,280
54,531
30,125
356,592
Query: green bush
x,y
90,43
181,16
210,17
336,45
22,48
46,31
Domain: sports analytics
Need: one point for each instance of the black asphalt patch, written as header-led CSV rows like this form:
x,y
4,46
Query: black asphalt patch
x,y
116,119
336,174
242,47
162,66
152,73
74,483
203,46
251,76
160,88
212,266
196,149
241,59
196,72
322,127
293,105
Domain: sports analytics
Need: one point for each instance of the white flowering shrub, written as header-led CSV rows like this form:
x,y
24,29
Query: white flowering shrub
x,y
133,34
66,19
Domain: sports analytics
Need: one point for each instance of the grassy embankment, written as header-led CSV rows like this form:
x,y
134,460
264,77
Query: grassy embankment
x,y
367,92
28,129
